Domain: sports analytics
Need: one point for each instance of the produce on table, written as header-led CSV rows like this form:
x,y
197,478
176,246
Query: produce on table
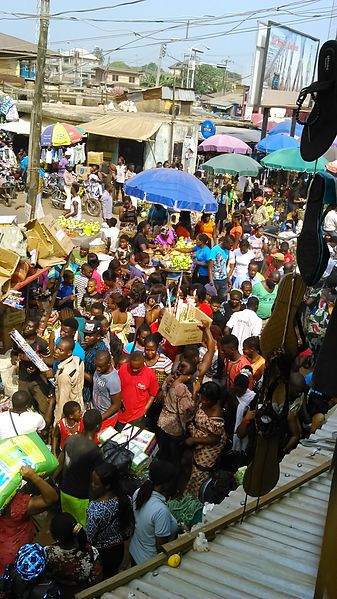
x,y
179,261
81,228
184,243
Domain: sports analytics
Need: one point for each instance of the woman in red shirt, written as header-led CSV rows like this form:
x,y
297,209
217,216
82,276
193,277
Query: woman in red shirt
x,y
236,230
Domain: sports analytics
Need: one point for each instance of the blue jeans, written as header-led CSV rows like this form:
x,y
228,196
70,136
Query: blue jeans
x,y
222,289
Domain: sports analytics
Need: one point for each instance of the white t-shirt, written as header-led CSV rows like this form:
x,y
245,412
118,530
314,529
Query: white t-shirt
x,y
26,422
330,222
79,207
120,173
244,324
242,261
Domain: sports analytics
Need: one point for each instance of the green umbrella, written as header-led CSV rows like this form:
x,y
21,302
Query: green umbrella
x,y
232,164
289,159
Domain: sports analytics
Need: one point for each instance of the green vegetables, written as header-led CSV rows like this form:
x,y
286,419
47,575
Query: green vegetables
x,y
76,227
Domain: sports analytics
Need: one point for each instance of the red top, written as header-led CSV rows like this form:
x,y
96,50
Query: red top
x,y
136,390
206,309
288,258
66,432
95,275
234,368
16,529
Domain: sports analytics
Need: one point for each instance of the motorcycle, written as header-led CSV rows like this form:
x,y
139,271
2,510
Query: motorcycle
x,y
90,205
7,187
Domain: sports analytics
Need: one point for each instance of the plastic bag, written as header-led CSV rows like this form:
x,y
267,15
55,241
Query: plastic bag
x,y
23,450
200,543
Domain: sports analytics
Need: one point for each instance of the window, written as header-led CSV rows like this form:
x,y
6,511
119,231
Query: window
x,y
114,78
132,79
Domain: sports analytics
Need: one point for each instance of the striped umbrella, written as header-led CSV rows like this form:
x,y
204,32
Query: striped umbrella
x,y
60,134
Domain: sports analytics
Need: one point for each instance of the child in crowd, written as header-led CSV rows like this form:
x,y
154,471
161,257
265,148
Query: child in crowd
x,y
246,288
124,250
81,281
80,255
70,424
66,294
218,318
90,297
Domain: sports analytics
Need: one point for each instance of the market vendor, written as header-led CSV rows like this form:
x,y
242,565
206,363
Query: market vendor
x,y
75,203
127,213
166,238
141,242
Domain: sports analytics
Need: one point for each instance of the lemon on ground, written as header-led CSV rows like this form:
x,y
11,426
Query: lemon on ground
x,y
174,560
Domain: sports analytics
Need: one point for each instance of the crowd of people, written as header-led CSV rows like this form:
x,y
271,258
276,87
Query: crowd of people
x,y
111,366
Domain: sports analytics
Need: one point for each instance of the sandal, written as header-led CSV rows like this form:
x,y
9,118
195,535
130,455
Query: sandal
x,y
312,250
320,128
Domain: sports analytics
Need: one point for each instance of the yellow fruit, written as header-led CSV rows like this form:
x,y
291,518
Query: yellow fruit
x,y
174,560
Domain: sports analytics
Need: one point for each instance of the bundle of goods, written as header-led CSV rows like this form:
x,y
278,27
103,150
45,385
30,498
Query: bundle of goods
x,y
142,444
81,228
23,450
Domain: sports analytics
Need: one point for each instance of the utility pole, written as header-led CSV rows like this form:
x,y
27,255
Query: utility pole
x,y
162,54
36,115
224,75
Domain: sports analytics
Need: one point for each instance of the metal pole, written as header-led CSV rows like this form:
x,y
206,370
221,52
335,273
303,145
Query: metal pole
x,y
173,119
161,56
36,116
266,112
293,123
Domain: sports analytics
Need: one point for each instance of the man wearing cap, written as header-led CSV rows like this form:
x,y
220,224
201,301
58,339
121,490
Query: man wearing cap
x,y
287,256
94,343
276,262
260,215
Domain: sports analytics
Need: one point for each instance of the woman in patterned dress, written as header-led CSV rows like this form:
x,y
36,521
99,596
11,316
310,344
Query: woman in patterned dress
x,y
206,436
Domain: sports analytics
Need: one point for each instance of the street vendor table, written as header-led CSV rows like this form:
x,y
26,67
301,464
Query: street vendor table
x,y
174,275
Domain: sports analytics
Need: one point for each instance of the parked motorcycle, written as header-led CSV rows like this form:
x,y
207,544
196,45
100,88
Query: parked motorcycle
x,y
90,205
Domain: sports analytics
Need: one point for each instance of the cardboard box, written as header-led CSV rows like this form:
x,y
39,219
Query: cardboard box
x,y
83,171
11,318
8,263
95,158
49,241
182,333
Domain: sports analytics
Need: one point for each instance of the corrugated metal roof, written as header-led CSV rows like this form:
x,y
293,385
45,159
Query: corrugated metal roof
x,y
273,554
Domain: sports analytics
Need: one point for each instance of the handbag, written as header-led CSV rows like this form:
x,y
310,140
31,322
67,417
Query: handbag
x,y
119,455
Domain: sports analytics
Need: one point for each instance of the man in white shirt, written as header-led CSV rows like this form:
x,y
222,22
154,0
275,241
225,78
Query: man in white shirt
x,y
20,421
245,323
330,223
120,177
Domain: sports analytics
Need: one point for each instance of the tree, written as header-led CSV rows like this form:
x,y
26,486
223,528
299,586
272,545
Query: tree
x,y
98,52
209,79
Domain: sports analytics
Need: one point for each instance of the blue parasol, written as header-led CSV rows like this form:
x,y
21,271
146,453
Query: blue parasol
x,y
285,127
280,141
173,189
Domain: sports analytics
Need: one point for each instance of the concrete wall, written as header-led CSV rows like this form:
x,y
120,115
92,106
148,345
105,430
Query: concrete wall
x,y
161,148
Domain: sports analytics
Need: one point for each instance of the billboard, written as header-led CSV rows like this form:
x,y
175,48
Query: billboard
x,y
288,60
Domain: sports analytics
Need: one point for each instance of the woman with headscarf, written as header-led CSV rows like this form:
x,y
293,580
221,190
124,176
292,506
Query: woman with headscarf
x,y
154,523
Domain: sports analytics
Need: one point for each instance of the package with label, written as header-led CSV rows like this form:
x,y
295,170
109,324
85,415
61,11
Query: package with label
x,y
83,171
29,351
183,332
146,440
22,450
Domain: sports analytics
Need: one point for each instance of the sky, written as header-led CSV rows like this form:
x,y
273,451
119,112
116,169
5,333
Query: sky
x,y
221,30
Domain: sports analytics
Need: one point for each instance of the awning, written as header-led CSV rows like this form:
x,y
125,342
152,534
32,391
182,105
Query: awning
x,y
128,126
22,127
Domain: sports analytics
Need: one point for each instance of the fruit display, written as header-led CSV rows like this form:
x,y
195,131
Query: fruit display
x,y
183,243
179,261
80,228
